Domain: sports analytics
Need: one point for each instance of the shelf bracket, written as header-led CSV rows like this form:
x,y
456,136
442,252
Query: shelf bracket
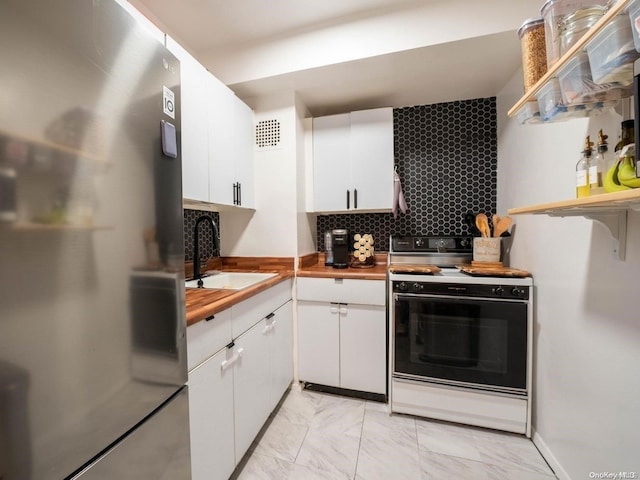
x,y
615,221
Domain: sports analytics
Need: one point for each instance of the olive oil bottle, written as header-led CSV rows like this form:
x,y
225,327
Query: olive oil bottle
x,y
598,165
582,170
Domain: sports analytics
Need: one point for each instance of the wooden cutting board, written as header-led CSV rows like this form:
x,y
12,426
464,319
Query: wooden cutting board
x,y
493,271
413,268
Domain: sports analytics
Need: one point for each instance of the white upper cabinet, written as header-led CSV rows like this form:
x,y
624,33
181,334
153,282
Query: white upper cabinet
x,y
353,161
331,159
231,135
244,144
221,107
217,137
372,158
194,130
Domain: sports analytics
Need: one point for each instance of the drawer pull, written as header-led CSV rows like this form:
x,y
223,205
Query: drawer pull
x,y
210,317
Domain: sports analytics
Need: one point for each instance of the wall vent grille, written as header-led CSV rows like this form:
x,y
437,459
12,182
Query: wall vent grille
x,y
268,134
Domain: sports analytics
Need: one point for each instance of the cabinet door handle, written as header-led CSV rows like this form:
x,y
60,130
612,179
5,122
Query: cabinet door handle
x,y
269,327
270,316
348,198
239,193
355,198
334,308
343,309
234,358
235,193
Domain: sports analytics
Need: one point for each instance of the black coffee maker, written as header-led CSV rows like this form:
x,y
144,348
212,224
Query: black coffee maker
x,y
340,248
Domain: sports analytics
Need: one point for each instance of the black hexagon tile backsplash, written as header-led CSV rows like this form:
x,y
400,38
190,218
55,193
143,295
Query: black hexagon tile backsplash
x,y
446,155
205,237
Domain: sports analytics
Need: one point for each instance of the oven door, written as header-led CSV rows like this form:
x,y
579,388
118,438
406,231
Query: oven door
x,y
464,341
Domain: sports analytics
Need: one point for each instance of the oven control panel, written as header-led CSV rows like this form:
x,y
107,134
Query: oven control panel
x,y
432,244
519,292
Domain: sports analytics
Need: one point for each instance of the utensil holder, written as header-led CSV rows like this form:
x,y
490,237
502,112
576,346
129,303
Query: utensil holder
x,y
486,249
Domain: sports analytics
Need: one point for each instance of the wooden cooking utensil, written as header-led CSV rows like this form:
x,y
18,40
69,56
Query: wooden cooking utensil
x,y
482,222
494,221
501,226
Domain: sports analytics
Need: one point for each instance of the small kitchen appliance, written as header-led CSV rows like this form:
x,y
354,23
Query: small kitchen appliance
x,y
459,344
340,248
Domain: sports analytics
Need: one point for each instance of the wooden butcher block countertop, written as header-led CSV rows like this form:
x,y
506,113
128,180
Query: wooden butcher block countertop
x,y
312,265
204,302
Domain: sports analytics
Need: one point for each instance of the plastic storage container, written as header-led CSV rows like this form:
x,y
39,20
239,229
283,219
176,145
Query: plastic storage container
x,y
577,86
534,56
553,108
554,12
529,113
634,16
612,52
550,101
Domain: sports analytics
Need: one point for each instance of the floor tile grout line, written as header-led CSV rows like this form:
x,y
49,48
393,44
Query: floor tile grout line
x,y
364,416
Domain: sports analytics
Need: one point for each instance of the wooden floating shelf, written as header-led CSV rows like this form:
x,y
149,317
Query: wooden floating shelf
x,y
627,199
609,210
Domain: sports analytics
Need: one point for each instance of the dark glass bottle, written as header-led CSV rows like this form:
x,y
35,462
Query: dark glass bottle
x,y
626,136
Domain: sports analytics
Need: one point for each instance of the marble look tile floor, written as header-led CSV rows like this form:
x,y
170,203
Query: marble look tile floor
x,y
318,436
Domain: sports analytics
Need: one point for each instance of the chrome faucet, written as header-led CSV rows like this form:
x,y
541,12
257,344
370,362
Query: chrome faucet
x,y
196,245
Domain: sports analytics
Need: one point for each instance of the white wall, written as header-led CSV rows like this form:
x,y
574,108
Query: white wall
x,y
586,322
278,227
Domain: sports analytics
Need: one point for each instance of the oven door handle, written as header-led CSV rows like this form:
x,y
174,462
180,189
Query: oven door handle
x,y
444,296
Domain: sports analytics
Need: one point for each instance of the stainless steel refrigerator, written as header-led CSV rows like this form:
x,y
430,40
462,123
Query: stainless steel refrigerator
x,y
92,315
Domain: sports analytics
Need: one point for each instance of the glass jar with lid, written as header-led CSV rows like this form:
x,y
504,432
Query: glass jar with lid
x,y
574,25
554,12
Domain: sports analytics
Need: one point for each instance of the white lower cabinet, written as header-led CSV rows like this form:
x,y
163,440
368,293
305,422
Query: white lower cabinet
x,y
233,391
281,352
319,343
342,343
262,373
211,418
363,348
251,386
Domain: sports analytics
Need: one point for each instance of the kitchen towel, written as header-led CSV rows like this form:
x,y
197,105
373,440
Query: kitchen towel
x,y
398,195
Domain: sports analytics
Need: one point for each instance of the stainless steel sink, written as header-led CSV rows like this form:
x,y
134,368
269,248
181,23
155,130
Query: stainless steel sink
x,y
230,280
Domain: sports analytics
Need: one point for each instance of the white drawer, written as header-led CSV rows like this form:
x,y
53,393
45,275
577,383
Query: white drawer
x,y
347,290
206,337
249,312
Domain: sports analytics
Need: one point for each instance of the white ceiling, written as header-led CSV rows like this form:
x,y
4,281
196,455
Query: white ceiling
x,y
454,70
215,24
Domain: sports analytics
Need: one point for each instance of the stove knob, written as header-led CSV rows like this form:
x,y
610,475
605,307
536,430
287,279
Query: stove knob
x,y
517,292
498,291
419,242
402,286
418,287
